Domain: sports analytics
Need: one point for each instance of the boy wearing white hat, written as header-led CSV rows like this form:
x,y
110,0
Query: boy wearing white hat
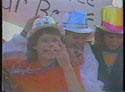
x,y
17,47
45,49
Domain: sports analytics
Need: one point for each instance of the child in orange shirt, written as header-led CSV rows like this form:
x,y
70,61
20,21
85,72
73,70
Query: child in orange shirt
x,y
41,72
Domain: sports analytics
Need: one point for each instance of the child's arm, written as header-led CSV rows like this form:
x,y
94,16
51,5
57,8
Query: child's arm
x,y
28,26
64,62
71,78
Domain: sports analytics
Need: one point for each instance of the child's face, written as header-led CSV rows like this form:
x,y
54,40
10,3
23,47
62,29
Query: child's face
x,y
113,41
46,45
75,41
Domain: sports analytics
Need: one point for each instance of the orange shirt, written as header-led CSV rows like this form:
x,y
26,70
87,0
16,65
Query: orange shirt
x,y
8,64
50,80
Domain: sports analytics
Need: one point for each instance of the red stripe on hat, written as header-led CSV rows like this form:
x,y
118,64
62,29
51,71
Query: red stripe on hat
x,y
113,27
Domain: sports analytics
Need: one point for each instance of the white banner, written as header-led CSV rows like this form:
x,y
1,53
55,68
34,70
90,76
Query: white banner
x,y
19,11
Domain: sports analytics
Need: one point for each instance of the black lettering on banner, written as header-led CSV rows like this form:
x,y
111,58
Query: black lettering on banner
x,y
90,14
81,2
90,4
17,4
90,19
55,11
43,10
9,7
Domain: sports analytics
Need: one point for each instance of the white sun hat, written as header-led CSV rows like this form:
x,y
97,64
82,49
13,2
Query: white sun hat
x,y
44,22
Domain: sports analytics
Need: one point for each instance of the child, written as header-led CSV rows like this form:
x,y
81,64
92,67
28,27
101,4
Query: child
x,y
41,72
108,49
77,35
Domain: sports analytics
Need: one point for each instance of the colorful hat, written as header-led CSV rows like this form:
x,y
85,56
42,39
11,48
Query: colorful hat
x,y
44,22
112,20
76,22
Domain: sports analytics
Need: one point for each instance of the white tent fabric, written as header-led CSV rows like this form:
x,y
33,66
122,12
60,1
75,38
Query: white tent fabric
x,y
15,48
9,30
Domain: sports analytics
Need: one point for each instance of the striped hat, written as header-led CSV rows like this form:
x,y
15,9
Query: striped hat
x,y
76,22
112,20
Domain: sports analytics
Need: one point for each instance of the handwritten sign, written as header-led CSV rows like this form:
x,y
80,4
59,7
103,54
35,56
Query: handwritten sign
x,y
19,11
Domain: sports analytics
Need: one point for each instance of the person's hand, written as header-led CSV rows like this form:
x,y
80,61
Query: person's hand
x,y
63,59
28,26
62,55
76,57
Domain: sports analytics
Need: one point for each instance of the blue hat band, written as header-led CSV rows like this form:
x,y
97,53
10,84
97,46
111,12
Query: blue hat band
x,y
75,26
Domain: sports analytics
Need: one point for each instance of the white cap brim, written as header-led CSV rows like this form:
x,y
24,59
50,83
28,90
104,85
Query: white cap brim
x,y
80,30
59,28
